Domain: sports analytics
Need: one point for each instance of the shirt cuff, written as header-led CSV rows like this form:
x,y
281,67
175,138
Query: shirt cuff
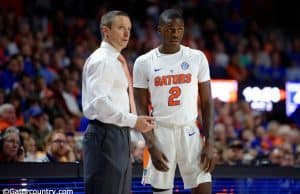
x,y
131,120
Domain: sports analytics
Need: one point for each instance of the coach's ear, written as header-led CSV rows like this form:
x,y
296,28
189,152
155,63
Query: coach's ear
x,y
103,29
104,32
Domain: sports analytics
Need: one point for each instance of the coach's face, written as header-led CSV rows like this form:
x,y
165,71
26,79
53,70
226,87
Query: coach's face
x,y
119,33
172,32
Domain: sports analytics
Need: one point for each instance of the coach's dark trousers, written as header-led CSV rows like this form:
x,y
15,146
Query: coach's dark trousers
x,y
106,159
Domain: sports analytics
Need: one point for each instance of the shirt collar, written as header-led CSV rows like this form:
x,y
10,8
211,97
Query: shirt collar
x,y
159,54
110,48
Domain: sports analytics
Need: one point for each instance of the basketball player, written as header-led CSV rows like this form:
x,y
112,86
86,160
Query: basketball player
x,y
172,77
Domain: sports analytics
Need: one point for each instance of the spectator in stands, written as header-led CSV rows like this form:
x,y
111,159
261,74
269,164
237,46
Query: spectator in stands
x,y
29,87
235,70
220,134
271,139
7,116
18,102
288,157
45,69
11,149
275,157
248,138
219,149
42,88
221,58
234,155
70,99
31,153
58,122
51,107
58,149
256,51
38,126
11,74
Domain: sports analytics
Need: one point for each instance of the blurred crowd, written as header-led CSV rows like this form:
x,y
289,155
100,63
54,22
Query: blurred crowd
x,y
41,60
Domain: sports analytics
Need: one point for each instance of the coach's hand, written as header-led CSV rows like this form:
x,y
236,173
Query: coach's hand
x,y
159,159
208,158
144,124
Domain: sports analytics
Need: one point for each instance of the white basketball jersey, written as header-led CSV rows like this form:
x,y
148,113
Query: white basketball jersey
x,y
172,80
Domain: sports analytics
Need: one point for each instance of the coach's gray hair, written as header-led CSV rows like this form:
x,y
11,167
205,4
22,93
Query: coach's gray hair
x,y
107,19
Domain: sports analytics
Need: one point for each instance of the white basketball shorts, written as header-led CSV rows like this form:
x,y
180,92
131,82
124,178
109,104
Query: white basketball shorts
x,y
182,146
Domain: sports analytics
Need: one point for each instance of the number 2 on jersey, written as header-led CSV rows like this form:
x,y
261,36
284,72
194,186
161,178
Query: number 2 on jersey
x,y
174,94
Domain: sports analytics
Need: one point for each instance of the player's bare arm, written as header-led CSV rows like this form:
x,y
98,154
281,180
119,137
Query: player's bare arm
x,y
142,100
206,107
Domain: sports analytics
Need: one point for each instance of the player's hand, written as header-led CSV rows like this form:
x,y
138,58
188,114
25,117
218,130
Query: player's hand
x,y
159,159
144,124
208,158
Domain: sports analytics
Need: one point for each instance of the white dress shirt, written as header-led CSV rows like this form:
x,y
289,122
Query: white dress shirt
x,y
104,88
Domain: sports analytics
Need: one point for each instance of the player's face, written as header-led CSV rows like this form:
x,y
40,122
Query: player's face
x,y
119,33
172,32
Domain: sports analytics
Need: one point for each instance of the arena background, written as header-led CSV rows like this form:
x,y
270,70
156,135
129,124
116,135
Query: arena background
x,y
253,48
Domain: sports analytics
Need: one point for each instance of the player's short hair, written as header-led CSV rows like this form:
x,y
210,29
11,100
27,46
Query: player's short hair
x,y
169,14
107,19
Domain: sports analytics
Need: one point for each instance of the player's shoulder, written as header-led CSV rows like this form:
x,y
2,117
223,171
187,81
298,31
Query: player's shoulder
x,y
145,58
192,52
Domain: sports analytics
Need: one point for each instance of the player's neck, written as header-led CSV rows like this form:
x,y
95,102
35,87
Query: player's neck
x,y
168,49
